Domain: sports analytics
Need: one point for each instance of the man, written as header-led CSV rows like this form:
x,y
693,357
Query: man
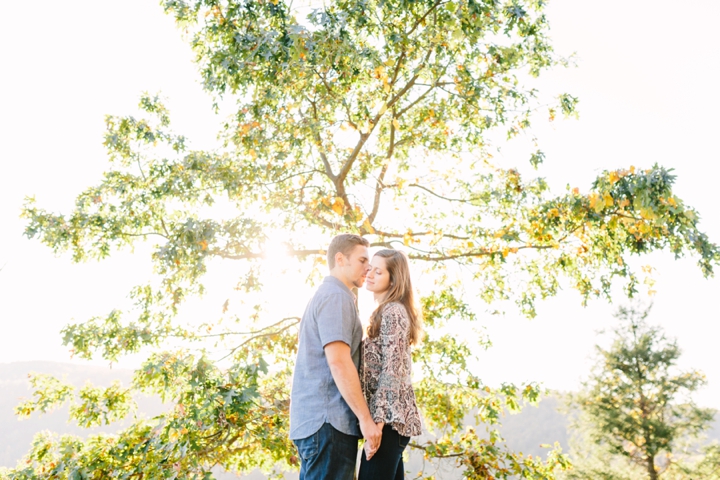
x,y
328,412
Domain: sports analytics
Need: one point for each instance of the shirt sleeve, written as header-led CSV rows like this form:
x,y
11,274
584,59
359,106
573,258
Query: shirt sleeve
x,y
336,316
386,403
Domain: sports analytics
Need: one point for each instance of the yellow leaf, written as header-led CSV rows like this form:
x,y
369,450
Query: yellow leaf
x,y
613,177
505,252
646,213
595,203
607,199
338,206
252,153
367,226
203,244
632,168
396,124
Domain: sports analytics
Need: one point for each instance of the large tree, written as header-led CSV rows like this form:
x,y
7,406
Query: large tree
x,y
373,117
637,404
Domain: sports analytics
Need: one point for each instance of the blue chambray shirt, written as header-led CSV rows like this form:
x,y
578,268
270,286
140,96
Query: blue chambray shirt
x,y
330,316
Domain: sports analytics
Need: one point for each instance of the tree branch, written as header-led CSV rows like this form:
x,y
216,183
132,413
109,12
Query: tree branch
x,y
418,234
318,141
414,102
421,19
378,191
339,180
251,255
462,200
144,234
435,455
252,332
255,337
438,258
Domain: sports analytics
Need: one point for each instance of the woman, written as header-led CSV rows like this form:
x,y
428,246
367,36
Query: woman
x,y
386,365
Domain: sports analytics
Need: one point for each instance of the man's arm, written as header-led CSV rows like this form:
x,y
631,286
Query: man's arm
x,y
347,380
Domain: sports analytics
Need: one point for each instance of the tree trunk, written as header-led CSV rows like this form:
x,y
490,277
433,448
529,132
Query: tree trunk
x,y
651,467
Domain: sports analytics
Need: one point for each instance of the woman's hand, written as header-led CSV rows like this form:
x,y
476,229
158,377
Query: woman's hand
x,y
369,451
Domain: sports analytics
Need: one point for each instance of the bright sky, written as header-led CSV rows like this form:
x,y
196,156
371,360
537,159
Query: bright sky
x,y
647,81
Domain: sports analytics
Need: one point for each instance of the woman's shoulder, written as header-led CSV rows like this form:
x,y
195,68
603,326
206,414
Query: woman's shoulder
x,y
393,309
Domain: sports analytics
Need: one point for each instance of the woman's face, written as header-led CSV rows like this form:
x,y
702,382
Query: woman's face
x,y
378,278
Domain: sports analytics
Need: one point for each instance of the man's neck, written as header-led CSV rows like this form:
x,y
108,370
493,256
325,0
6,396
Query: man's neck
x,y
336,274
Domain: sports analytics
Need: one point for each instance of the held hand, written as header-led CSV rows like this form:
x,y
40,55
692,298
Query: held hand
x,y
369,450
372,435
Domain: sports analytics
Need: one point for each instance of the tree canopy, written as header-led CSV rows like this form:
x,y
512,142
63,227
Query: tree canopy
x,y
375,117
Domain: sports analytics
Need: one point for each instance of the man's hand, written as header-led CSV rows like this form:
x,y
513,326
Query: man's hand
x,y
373,435
372,447
346,378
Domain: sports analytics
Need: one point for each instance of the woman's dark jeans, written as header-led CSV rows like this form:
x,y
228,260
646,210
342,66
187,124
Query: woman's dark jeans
x,y
387,462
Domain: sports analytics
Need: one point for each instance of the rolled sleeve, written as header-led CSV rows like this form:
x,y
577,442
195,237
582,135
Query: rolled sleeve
x,y
336,319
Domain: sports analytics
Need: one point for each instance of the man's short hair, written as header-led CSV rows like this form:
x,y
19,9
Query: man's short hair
x,y
344,243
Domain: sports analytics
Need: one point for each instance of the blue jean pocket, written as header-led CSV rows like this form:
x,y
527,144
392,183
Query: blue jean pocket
x,y
307,447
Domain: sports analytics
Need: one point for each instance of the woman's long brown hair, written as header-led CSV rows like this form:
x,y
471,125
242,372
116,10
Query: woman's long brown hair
x,y
400,291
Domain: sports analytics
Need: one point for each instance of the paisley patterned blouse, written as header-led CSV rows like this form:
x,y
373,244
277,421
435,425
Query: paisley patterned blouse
x,y
386,371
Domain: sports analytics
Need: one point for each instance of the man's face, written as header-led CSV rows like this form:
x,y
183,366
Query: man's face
x,y
355,266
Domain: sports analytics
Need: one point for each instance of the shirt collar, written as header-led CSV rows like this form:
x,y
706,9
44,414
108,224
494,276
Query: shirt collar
x,y
335,281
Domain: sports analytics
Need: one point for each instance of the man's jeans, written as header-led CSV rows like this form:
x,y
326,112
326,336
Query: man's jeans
x,y
328,454
387,462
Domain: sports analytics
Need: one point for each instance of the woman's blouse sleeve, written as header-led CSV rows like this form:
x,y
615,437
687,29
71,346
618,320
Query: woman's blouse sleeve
x,y
388,402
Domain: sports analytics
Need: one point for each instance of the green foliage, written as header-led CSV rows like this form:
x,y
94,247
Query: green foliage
x,y
708,468
369,117
636,403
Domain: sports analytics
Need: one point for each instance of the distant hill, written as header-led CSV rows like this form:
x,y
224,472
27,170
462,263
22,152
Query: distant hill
x,y
524,432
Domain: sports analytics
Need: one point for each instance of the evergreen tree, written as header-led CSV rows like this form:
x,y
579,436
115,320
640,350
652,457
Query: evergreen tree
x,y
637,403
